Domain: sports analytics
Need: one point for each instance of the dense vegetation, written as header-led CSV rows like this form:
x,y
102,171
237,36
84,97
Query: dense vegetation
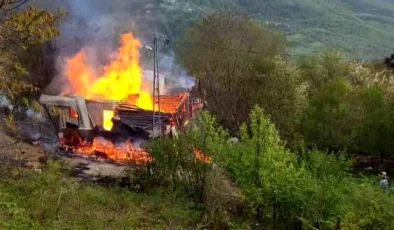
x,y
256,182
327,102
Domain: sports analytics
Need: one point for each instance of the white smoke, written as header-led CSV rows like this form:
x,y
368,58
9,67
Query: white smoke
x,y
37,116
5,102
176,76
30,132
147,82
95,25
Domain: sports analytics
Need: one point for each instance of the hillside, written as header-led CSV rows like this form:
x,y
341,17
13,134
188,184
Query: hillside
x,y
362,28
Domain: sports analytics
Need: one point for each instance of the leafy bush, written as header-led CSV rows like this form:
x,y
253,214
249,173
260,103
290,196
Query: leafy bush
x,y
368,207
329,178
223,200
175,164
280,186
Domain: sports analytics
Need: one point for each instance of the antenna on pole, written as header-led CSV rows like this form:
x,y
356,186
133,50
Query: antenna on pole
x,y
156,83
156,89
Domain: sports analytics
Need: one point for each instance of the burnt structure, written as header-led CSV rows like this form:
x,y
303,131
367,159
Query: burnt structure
x,y
88,117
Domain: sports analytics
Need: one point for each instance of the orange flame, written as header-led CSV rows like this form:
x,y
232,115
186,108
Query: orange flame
x,y
121,77
118,152
107,119
201,156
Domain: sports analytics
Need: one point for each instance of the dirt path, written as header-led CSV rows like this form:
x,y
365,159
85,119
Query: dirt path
x,y
14,149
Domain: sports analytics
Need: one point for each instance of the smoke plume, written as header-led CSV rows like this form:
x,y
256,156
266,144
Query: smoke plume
x,y
95,25
5,102
177,77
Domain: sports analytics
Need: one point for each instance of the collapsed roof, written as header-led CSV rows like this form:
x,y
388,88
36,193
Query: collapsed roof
x,y
89,111
137,118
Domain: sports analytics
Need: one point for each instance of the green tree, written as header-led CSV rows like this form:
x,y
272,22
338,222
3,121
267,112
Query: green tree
x,y
280,185
377,129
19,31
317,71
327,120
220,51
350,105
282,94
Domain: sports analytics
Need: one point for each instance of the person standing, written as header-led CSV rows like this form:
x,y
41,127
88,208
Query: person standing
x,y
384,180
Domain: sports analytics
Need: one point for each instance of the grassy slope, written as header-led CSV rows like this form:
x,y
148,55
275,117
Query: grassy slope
x,y
362,28
53,200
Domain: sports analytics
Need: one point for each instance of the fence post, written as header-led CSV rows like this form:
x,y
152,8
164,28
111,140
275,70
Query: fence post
x,y
338,224
302,216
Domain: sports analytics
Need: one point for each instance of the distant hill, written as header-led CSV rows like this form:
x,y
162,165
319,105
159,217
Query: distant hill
x,y
362,28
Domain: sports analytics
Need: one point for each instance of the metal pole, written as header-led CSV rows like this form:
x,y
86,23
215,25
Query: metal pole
x,y
257,156
205,164
154,85
158,86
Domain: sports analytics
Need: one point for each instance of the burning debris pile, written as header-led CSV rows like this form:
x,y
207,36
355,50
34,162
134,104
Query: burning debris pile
x,y
104,148
110,114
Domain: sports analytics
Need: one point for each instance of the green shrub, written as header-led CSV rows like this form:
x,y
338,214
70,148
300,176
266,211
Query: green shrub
x,y
175,165
281,186
368,207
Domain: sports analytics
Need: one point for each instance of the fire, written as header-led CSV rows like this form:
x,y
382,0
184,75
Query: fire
x,y
107,119
103,147
121,77
117,152
79,74
201,156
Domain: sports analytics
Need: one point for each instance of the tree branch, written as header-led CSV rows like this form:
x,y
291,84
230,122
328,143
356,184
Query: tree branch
x,y
11,5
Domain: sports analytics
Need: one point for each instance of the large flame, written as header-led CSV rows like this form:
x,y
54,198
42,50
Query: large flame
x,y
121,78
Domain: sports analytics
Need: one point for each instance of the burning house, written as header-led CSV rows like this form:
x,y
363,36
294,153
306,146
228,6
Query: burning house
x,y
113,114
116,129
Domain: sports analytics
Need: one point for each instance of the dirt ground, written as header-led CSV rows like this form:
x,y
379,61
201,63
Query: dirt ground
x,y
30,155
18,150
